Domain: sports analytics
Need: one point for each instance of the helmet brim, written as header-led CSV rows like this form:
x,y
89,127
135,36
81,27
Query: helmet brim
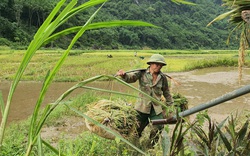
x,y
149,62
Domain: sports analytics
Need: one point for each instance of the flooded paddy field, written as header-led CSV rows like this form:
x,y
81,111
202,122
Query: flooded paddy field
x,y
198,86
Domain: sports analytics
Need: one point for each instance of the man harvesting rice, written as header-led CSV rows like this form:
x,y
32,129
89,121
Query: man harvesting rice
x,y
153,82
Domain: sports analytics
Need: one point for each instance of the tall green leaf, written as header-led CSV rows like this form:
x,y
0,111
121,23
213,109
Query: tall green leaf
x,y
48,81
34,45
98,26
1,103
224,139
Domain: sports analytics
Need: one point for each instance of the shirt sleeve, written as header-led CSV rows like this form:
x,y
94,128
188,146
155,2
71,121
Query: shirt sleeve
x,y
166,92
131,77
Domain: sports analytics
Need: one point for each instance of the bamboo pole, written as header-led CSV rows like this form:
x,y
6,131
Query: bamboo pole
x,y
226,97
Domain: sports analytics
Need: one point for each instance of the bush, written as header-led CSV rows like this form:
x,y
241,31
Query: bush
x,y
5,42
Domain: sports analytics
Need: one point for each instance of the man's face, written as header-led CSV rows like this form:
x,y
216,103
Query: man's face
x,y
156,67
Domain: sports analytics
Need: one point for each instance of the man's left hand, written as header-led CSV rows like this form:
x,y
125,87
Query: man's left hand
x,y
164,114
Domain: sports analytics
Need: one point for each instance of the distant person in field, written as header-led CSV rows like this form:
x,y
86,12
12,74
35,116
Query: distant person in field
x,y
153,82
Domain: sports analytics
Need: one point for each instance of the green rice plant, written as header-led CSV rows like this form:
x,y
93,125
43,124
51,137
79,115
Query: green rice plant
x,y
226,62
44,35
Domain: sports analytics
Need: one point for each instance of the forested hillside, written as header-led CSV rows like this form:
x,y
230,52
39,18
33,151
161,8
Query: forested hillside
x,y
182,26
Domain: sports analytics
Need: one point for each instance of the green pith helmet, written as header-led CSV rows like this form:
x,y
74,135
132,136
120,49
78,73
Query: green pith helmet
x,y
157,58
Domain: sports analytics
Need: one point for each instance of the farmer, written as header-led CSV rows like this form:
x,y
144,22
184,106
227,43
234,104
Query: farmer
x,y
153,82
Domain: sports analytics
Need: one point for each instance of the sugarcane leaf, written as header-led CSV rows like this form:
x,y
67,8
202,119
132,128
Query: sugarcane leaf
x,y
222,16
231,32
80,8
39,145
51,75
48,20
109,91
134,88
98,26
1,103
52,148
183,2
33,125
187,129
224,139
43,32
42,120
34,45
51,107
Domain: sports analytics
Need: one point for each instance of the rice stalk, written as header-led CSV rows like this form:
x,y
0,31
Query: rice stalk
x,y
239,15
115,114
106,129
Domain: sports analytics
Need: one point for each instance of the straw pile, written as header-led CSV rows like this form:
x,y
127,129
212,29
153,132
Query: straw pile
x,y
116,115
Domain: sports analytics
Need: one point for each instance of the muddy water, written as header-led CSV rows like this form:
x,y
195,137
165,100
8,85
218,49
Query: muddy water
x,y
201,86
198,86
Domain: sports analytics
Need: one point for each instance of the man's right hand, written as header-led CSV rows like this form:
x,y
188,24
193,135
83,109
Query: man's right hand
x,y
121,73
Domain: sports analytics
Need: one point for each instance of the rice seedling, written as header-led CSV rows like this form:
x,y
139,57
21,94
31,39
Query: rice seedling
x,y
84,68
226,62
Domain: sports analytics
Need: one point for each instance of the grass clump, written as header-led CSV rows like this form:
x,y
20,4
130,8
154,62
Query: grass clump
x,y
225,62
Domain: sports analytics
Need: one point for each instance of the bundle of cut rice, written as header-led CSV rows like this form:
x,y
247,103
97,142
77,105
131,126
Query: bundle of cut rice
x,y
180,102
116,115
